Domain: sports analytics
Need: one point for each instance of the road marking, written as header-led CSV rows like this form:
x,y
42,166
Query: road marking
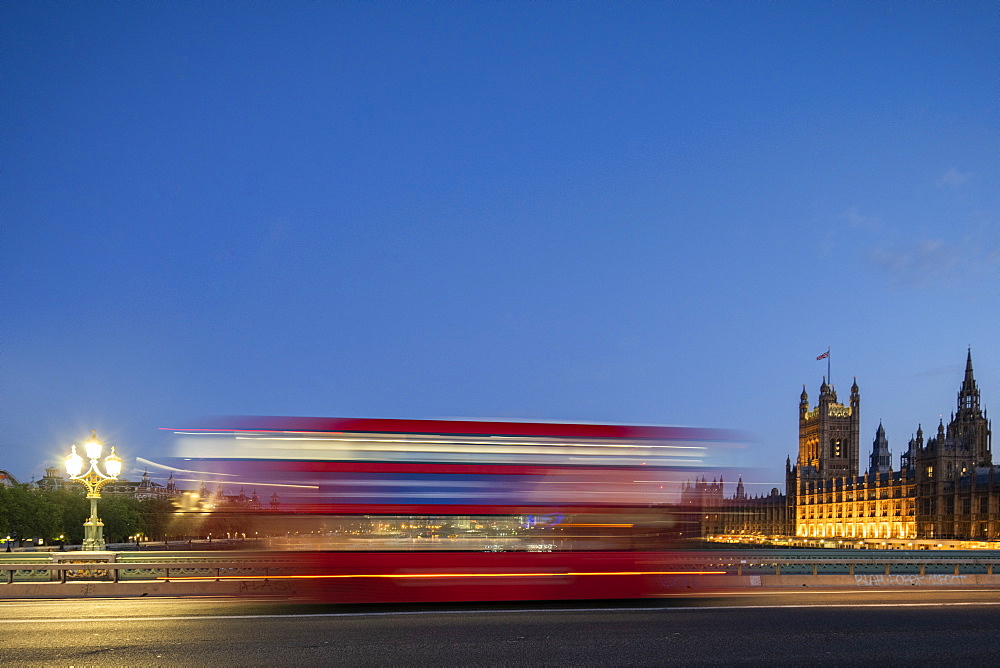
x,y
63,620
864,591
235,600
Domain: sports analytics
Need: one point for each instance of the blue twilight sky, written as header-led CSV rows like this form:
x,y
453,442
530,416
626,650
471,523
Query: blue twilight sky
x,y
610,212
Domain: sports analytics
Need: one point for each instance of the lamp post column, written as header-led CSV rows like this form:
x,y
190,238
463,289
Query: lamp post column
x,y
94,479
93,529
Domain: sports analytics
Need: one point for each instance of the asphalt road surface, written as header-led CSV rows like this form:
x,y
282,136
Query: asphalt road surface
x,y
834,627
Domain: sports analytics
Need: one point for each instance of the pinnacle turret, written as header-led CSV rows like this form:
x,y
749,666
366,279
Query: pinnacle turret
x,y
881,457
968,395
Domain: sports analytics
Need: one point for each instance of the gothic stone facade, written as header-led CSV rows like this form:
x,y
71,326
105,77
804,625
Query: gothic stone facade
x,y
944,488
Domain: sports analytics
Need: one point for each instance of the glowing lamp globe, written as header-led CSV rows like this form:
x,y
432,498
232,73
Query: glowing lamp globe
x,y
93,447
74,464
113,464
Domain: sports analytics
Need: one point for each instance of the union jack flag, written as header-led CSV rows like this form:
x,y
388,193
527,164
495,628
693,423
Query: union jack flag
x,y
824,355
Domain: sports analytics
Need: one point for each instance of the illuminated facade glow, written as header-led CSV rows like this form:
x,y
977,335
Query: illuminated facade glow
x,y
946,487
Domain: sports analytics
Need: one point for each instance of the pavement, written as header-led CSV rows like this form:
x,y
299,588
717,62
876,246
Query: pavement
x,y
834,627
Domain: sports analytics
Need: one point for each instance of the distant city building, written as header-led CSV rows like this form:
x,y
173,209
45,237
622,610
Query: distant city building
x,y
223,500
145,488
52,479
944,488
8,479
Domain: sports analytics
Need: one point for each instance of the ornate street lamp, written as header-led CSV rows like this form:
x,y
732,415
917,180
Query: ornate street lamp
x,y
93,480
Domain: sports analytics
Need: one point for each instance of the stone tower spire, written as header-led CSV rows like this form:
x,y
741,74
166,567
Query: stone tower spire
x,y
968,395
829,435
740,490
970,428
881,458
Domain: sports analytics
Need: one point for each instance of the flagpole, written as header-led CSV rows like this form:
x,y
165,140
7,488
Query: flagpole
x,y
829,379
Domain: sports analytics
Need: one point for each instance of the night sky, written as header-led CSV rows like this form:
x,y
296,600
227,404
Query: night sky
x,y
610,212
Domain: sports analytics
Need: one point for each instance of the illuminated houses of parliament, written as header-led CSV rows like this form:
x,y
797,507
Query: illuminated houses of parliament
x,y
946,487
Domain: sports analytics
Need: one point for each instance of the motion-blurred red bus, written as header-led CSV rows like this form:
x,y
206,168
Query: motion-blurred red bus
x,y
388,510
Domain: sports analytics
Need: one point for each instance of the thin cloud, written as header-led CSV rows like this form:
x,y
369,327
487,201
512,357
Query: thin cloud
x,y
936,262
954,178
856,220
918,264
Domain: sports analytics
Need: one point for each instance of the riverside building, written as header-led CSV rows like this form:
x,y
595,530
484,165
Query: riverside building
x,y
944,487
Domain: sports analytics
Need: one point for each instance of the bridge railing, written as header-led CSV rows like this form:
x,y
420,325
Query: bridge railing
x,y
261,568
852,565
140,571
